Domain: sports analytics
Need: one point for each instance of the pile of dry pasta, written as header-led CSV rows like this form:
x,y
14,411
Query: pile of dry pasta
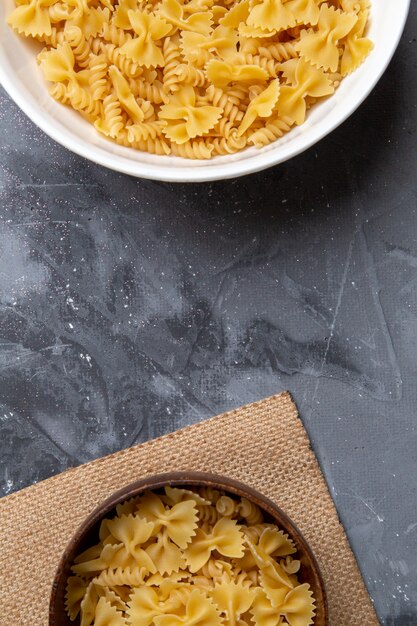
x,y
194,78
189,558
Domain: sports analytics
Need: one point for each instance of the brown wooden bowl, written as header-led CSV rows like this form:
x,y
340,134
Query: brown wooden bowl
x,y
87,535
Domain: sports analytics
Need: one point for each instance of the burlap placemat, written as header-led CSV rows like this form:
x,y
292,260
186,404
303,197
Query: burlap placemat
x,y
262,444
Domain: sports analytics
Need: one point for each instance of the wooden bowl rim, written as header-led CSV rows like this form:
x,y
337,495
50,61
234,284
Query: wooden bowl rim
x,y
184,479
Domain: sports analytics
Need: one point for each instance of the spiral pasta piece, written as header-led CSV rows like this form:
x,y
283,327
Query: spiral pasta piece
x,y
58,12
114,35
155,146
144,131
207,513
98,81
82,100
198,149
151,92
209,493
270,65
80,46
172,57
228,145
111,122
60,93
220,99
250,512
270,132
278,51
190,75
255,531
226,506
115,57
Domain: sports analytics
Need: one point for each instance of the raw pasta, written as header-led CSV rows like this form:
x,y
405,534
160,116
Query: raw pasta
x,y
162,561
195,78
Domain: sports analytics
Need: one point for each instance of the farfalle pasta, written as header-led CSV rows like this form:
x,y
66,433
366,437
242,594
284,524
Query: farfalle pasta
x,y
195,78
188,557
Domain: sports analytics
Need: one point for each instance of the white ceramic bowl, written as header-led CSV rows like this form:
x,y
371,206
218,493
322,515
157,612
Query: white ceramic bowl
x,y
22,79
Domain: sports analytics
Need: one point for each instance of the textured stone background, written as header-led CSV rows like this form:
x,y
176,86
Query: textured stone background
x,y
130,308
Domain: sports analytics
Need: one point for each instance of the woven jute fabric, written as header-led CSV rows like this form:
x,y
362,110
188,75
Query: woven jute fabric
x,y
262,444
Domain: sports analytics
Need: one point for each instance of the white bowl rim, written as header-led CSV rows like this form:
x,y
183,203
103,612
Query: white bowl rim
x,y
213,171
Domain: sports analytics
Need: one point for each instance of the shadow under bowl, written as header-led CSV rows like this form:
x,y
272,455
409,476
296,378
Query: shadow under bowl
x,y
87,535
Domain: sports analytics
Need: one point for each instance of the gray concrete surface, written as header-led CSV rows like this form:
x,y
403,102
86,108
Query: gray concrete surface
x,y
131,308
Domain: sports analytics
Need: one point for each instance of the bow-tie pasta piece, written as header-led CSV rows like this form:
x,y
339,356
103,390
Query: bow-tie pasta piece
x,y
89,554
356,46
90,23
145,605
58,65
132,532
173,12
298,606
70,10
125,96
304,11
264,614
320,47
225,537
272,543
276,583
305,80
126,508
176,588
88,605
237,14
261,106
199,6
256,33
90,562
174,495
116,555
166,556
121,577
115,599
121,13
186,120
76,588
108,615
232,600
271,15
143,49
180,520
198,611
157,580
31,19
222,41
221,73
